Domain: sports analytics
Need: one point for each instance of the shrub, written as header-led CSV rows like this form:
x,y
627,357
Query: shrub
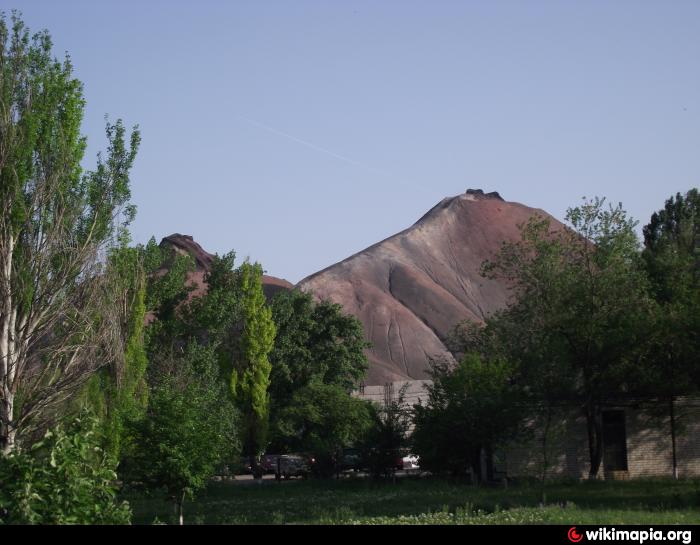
x,y
66,478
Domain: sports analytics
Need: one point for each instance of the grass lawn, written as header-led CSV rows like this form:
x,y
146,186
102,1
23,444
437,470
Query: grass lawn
x,y
431,501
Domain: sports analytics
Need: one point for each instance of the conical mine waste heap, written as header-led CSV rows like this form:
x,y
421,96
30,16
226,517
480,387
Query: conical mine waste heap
x,y
411,289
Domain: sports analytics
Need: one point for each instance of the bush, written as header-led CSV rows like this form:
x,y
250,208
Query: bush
x,y
66,478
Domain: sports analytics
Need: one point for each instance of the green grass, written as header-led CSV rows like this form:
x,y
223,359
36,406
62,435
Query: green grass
x,y
432,501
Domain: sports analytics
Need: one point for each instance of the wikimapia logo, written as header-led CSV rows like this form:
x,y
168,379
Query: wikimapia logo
x,y
637,536
574,536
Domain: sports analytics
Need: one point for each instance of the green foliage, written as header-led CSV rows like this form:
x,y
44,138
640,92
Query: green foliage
x,y
133,389
672,258
66,478
166,292
120,393
188,430
214,318
152,258
315,342
212,325
292,356
322,419
42,149
250,378
338,343
472,407
672,247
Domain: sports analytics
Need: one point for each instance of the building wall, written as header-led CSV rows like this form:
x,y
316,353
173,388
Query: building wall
x,y
648,442
648,438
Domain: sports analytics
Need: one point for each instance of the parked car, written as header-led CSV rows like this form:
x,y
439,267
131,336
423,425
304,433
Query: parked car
x,y
294,465
352,460
410,461
269,463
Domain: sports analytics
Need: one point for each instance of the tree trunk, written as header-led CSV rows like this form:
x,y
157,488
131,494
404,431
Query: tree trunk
x,y
490,477
476,465
7,431
8,357
672,417
256,468
595,439
545,455
181,514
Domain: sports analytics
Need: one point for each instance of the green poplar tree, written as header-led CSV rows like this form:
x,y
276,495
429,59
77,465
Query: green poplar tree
x,y
56,222
250,378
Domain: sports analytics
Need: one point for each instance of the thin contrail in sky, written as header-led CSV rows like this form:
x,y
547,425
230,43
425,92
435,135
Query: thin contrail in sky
x,y
312,146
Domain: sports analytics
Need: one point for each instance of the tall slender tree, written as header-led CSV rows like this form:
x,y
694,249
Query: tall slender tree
x,y
250,378
55,221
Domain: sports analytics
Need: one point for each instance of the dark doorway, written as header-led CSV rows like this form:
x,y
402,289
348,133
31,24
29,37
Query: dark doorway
x,y
614,441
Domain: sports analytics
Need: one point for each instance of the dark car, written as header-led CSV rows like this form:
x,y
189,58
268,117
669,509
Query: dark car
x,y
269,463
352,459
293,465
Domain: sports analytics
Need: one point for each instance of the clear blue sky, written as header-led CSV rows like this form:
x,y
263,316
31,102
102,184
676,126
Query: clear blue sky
x,y
298,133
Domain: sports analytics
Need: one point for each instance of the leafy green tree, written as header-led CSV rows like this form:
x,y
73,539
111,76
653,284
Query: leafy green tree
x,y
545,384
672,248
314,342
471,409
250,378
672,258
55,222
66,478
292,356
338,343
582,315
322,419
189,428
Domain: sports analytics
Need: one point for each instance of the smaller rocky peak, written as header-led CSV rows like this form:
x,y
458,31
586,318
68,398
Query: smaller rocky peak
x,y
185,244
477,194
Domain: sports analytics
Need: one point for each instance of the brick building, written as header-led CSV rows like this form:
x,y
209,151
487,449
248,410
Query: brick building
x,y
637,436
637,442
